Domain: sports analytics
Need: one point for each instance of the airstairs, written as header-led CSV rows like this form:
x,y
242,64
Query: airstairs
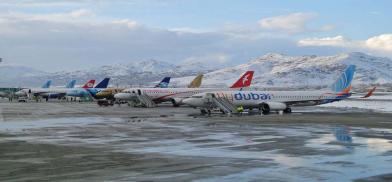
x,y
222,103
146,101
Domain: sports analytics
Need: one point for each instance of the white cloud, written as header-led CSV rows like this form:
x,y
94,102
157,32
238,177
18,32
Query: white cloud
x,y
76,15
126,22
338,41
291,23
381,44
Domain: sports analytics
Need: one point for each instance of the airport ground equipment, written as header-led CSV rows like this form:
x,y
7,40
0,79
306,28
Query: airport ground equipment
x,y
222,103
146,101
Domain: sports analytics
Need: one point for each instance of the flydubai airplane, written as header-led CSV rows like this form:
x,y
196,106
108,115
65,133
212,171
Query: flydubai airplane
x,y
176,95
267,101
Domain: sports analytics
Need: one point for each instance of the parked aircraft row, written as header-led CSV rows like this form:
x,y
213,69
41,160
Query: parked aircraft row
x,y
206,99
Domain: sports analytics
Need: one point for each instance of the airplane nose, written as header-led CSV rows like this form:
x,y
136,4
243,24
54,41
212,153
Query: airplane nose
x,y
189,101
122,96
20,93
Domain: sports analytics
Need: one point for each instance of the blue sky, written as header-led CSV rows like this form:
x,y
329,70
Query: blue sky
x,y
46,34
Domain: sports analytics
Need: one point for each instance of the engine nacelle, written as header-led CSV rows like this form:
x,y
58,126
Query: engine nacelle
x,y
177,101
266,107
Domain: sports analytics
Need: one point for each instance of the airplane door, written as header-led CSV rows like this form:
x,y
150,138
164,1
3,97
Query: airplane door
x,y
139,92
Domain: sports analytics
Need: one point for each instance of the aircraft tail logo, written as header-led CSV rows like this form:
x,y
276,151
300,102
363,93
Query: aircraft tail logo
x,y
47,84
343,84
196,82
164,83
89,84
103,84
70,84
244,81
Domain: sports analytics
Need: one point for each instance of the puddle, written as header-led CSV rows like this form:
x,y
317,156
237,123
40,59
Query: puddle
x,y
287,152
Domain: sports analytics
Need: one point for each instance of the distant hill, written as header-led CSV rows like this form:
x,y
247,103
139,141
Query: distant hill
x,y
277,70
271,70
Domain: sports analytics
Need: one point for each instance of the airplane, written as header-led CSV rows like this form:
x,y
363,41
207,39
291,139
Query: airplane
x,y
82,91
175,95
25,91
56,92
108,93
267,101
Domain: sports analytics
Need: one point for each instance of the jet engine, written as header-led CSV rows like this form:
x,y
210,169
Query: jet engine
x,y
177,101
266,107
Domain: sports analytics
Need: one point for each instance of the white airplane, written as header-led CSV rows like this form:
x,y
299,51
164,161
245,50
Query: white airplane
x,y
53,92
175,95
267,101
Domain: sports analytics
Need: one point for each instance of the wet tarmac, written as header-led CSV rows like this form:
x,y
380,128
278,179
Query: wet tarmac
x,y
84,142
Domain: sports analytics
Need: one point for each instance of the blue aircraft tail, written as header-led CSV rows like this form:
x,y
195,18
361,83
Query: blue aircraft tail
x,y
343,84
70,84
47,84
164,83
103,84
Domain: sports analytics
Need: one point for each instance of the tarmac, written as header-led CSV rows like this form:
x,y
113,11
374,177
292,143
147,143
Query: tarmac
x,y
59,141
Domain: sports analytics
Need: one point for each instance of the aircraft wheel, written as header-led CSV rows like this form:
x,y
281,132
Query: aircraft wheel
x,y
287,110
203,111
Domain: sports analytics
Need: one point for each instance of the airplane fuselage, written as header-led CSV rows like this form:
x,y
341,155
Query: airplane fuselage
x,y
253,99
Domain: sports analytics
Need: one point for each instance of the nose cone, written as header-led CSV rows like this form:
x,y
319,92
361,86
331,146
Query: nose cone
x,y
20,93
122,96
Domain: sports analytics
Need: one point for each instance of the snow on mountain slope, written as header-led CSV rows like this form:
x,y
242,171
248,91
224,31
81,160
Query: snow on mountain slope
x,y
271,70
276,70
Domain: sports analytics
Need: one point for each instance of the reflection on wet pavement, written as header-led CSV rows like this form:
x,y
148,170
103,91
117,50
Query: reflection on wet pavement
x,y
214,151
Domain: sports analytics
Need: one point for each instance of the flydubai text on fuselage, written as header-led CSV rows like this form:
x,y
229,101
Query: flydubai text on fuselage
x,y
176,95
279,100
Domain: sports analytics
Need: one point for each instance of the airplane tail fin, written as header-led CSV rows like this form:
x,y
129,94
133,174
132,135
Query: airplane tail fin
x,y
89,84
244,81
47,84
196,82
370,93
164,83
70,84
343,84
103,84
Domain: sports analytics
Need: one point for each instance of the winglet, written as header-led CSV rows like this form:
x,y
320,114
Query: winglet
x,y
89,84
370,93
244,81
103,84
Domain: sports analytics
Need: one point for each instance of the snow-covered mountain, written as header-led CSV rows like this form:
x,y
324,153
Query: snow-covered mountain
x,y
131,73
15,75
271,70
277,70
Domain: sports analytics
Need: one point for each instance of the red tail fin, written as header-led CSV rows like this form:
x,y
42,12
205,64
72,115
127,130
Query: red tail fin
x,y
244,81
370,93
89,84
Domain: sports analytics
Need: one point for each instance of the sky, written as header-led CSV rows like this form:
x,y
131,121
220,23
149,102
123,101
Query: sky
x,y
72,35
